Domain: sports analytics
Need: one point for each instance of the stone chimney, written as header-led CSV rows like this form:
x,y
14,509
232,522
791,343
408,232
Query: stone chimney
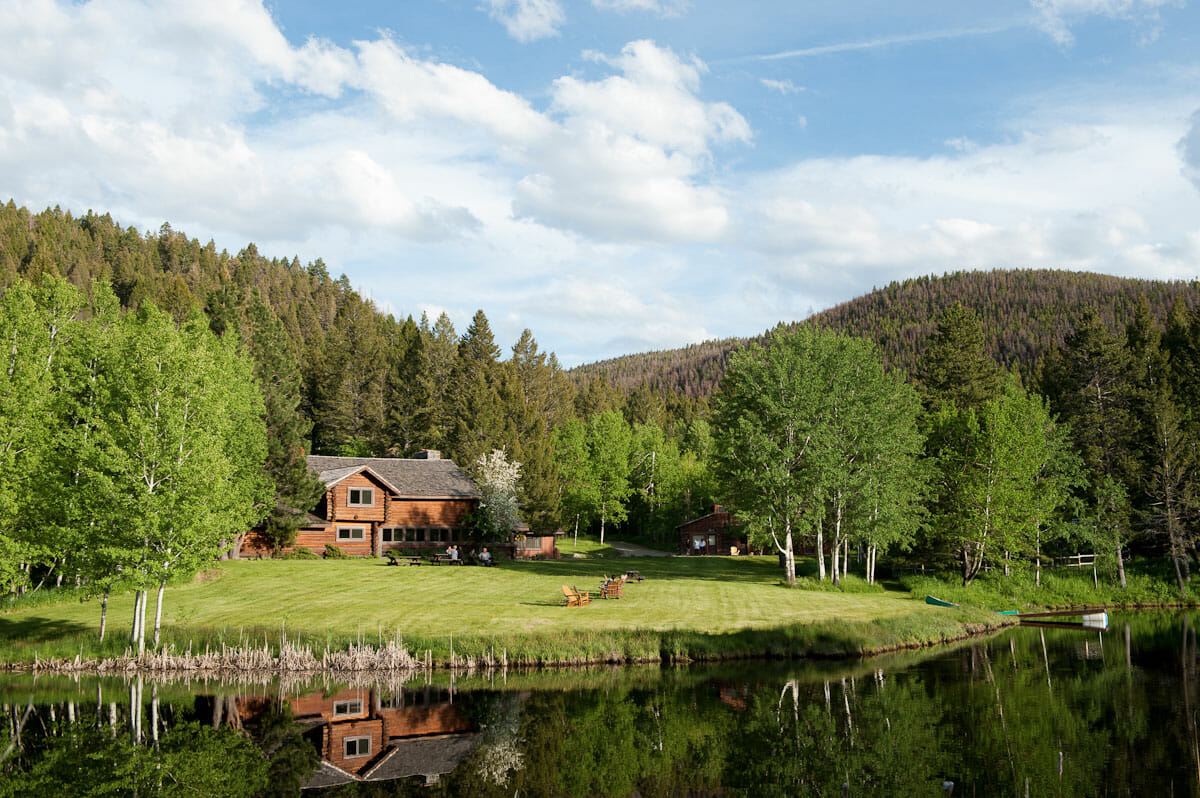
x,y
429,454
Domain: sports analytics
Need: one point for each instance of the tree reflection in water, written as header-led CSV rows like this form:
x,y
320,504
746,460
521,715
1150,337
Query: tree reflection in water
x,y
1038,712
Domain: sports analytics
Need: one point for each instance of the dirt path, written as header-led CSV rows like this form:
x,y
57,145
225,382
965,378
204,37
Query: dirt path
x,y
634,550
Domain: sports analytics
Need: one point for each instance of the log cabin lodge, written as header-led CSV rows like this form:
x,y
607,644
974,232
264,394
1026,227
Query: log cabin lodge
x,y
373,504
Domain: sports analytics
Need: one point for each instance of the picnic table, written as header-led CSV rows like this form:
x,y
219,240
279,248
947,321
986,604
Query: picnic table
x,y
444,559
405,559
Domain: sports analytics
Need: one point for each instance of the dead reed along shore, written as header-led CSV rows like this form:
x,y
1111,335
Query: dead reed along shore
x,y
299,658
290,659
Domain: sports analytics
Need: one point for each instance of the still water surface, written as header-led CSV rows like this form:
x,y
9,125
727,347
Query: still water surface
x,y
1035,711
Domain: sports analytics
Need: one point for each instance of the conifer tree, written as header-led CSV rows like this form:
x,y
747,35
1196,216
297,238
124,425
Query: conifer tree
x,y
479,421
297,490
348,417
441,350
409,395
955,369
537,399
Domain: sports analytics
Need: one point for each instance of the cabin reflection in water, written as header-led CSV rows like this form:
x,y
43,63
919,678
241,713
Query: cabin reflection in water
x,y
421,733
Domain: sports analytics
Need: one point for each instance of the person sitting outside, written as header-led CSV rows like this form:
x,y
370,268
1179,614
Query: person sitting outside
x,y
485,557
453,553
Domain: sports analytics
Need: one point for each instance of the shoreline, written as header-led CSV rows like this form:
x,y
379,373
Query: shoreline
x,y
824,640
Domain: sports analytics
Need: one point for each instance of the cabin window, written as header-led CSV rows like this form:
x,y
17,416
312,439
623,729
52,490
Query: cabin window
x,y
392,534
361,497
418,535
357,746
342,709
351,533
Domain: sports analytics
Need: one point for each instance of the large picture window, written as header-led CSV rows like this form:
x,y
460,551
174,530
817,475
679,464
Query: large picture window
x,y
351,533
361,497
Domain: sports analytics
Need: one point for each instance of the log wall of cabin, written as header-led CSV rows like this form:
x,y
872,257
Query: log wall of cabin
x,y
321,705
335,738
417,721
428,512
340,499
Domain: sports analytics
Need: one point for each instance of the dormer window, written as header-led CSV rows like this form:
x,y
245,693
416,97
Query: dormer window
x,y
361,497
357,746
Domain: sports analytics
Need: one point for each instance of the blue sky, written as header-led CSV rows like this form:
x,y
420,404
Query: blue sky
x,y
621,175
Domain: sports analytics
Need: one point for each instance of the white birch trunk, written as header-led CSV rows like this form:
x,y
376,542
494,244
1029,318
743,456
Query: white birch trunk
x,y
133,629
103,615
162,586
821,550
142,623
837,537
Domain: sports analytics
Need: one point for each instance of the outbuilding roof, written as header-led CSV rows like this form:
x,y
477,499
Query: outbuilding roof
x,y
415,478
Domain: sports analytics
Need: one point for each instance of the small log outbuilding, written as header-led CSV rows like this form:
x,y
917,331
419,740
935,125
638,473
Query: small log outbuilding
x,y
714,533
373,504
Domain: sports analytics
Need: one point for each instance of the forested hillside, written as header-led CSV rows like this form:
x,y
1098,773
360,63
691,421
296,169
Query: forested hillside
x,y
337,375
1102,422
1023,313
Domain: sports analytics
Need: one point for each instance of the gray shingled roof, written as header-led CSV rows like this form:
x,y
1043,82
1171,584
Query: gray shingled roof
x,y
327,775
431,757
409,478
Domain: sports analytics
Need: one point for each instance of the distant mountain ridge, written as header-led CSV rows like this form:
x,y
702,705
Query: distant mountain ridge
x,y
1022,311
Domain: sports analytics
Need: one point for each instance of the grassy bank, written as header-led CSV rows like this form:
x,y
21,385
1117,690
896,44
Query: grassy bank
x,y
688,608
1149,583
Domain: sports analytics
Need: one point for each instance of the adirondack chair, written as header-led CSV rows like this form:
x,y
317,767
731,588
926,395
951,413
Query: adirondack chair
x,y
575,598
613,588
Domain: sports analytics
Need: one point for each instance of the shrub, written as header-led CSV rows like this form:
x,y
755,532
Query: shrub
x,y
332,552
300,554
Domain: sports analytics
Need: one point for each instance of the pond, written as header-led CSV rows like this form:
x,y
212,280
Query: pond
x,y
1033,711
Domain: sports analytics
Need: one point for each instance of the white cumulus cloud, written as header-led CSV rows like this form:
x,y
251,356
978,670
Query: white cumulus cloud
x,y
1103,195
528,20
628,158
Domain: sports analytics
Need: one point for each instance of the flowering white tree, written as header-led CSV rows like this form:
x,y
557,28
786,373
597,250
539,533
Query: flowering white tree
x,y
499,514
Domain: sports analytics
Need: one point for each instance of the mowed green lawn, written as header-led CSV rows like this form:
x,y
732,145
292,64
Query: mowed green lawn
x,y
336,599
